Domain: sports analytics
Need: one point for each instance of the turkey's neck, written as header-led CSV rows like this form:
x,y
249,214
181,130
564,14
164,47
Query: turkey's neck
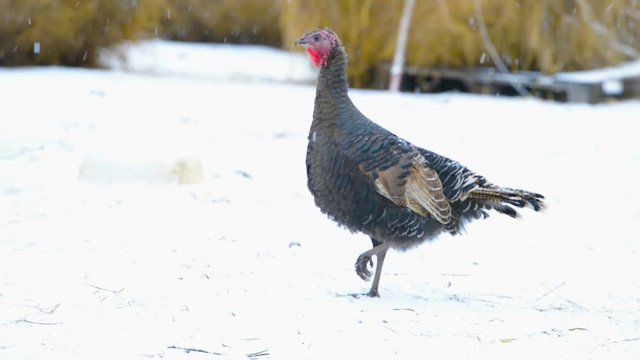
x,y
332,101
333,76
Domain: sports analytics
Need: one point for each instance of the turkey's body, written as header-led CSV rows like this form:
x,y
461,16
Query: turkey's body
x,y
369,180
346,194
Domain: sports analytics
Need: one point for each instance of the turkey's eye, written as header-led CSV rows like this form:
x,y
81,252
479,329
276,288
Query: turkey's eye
x,y
316,37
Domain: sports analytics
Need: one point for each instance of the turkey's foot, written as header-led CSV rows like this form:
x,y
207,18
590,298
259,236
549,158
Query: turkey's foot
x,y
371,293
363,264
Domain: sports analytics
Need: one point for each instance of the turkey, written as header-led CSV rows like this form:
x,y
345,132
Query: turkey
x,y
369,180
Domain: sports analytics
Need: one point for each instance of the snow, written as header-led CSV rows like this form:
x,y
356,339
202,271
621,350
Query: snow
x,y
143,213
612,79
210,61
619,72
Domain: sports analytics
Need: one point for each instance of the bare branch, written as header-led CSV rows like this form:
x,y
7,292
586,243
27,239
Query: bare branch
x,y
493,53
587,17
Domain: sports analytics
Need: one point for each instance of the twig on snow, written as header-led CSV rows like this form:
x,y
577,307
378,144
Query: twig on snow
x,y
98,288
44,310
625,340
406,309
578,329
151,356
50,311
481,300
576,304
264,352
456,275
390,329
190,350
37,322
551,291
473,336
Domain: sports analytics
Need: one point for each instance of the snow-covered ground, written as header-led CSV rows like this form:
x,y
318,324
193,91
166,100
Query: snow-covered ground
x,y
146,216
204,61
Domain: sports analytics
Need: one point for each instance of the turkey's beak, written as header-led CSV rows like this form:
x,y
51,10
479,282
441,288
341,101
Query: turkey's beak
x,y
302,41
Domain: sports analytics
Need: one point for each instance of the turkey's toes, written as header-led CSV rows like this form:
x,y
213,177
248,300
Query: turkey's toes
x,y
373,293
362,295
362,267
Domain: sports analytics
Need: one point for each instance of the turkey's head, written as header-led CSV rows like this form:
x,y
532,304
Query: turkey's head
x,y
319,44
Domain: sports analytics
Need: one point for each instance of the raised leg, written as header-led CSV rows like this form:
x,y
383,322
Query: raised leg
x,y
364,261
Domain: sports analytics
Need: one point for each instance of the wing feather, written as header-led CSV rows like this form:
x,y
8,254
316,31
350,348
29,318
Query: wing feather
x,y
412,184
425,189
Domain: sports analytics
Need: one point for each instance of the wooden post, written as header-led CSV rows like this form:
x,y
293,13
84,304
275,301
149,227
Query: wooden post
x,y
401,46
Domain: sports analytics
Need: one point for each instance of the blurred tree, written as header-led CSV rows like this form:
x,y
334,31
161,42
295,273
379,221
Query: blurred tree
x,y
367,28
233,21
545,35
71,32
63,32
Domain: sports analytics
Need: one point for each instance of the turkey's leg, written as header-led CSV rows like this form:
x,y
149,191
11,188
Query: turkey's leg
x,y
364,261
373,292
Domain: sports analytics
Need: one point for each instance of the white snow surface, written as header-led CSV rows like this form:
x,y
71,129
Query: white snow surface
x,y
210,61
145,214
612,78
629,69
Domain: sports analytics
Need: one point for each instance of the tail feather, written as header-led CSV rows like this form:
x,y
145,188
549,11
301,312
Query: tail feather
x,y
505,209
500,199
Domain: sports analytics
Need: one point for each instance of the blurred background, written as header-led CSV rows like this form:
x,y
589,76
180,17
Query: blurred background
x,y
542,36
153,187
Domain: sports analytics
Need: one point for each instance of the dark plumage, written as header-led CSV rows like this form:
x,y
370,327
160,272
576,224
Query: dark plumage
x,y
370,180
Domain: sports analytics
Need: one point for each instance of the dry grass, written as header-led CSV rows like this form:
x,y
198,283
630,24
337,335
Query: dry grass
x,y
66,32
366,28
70,32
545,35
233,21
